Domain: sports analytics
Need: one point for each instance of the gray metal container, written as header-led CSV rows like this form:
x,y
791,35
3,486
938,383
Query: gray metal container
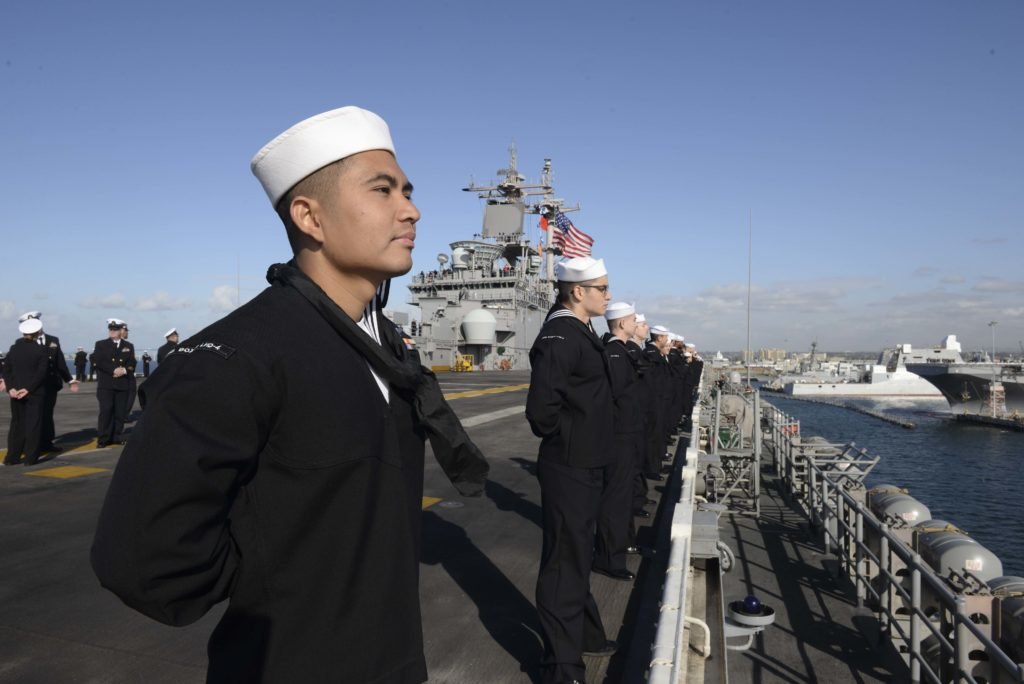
x,y
897,509
1009,591
894,507
946,548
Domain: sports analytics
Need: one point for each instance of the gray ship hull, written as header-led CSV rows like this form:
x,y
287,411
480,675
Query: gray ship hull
x,y
966,386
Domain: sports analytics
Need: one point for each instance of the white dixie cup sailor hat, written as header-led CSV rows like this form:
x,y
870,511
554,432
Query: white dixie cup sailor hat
x,y
313,143
579,269
618,310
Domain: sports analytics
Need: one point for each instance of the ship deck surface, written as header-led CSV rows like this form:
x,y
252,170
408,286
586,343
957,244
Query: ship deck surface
x,y
477,576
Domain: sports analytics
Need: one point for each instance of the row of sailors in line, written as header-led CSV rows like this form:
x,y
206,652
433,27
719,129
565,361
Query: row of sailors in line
x,y
605,411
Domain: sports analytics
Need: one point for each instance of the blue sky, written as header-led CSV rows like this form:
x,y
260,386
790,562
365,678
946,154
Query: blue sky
x,y
878,147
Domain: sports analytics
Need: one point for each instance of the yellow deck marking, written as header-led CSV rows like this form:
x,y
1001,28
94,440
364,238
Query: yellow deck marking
x,y
480,393
429,501
88,446
66,472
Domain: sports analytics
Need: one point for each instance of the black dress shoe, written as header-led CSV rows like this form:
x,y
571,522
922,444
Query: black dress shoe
x,y
622,575
52,448
605,650
642,514
651,501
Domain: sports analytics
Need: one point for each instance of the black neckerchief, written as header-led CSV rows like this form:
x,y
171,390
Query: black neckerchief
x,y
460,459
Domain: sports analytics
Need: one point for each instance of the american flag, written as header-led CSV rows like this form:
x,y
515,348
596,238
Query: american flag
x,y
571,240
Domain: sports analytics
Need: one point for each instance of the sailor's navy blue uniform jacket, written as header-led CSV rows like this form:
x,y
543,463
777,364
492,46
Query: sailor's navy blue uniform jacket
x,y
268,469
569,404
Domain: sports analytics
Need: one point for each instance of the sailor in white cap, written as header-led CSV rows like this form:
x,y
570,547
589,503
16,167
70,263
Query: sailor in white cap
x,y
24,377
57,374
615,529
694,366
170,345
658,386
569,406
114,364
279,459
636,352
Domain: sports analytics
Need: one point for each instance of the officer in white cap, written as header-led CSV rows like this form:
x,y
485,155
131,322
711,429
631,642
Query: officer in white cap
x,y
289,486
569,406
114,364
615,530
167,347
57,374
25,374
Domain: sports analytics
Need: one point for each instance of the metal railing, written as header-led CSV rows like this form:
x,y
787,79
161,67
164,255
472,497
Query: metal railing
x,y
943,636
668,652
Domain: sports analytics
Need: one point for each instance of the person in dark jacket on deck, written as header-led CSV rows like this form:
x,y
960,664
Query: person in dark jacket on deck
x,y
80,358
57,374
615,530
569,406
25,372
170,345
114,363
278,463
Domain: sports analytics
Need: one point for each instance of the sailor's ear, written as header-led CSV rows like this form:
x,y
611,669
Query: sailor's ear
x,y
305,214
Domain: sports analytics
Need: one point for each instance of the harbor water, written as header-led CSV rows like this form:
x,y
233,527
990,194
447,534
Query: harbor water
x,y
968,475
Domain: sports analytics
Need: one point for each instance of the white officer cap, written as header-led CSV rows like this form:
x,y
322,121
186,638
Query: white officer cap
x,y
312,144
30,326
660,330
29,314
690,345
579,269
81,349
618,310
640,318
172,331
115,324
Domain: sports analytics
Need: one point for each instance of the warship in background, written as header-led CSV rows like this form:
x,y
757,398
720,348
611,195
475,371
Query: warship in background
x,y
482,308
888,377
984,387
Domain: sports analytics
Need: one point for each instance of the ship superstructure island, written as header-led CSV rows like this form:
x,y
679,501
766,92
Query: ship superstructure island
x,y
484,304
